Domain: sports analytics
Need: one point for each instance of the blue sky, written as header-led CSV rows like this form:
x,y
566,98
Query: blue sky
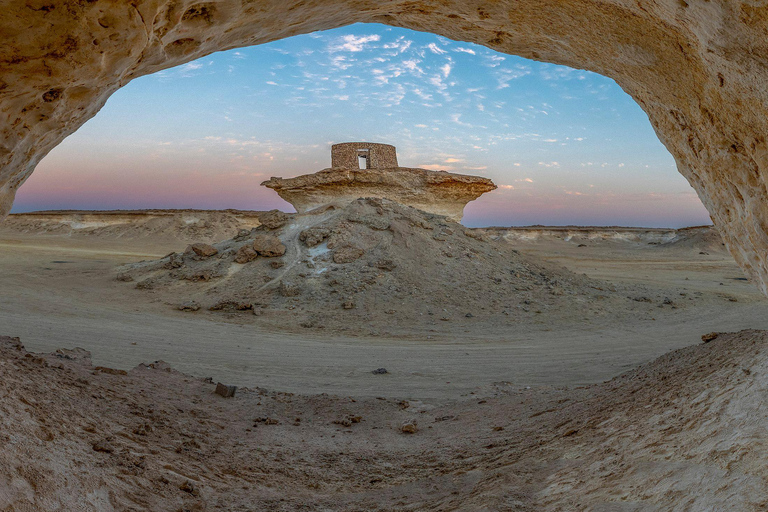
x,y
564,146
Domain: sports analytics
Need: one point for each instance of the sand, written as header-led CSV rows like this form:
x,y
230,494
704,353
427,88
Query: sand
x,y
496,419
77,302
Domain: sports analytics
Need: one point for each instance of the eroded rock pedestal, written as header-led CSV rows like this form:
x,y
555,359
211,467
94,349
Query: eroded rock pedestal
x,y
698,69
438,192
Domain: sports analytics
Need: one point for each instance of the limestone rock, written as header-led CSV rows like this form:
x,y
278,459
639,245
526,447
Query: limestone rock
x,y
346,253
696,68
204,250
225,390
314,235
268,246
245,254
273,219
437,192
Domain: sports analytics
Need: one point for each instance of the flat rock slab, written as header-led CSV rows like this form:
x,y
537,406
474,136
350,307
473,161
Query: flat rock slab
x,y
438,192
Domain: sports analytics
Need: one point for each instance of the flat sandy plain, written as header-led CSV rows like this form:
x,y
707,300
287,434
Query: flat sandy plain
x,y
58,277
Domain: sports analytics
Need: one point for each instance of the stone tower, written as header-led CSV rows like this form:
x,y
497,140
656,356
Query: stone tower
x,y
363,155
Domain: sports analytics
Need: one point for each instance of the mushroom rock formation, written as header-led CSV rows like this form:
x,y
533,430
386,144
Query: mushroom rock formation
x,y
437,192
697,68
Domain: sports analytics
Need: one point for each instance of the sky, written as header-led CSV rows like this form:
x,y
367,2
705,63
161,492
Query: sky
x,y
564,146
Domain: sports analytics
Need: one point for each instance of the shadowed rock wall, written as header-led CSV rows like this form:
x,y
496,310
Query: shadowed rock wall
x,y
697,68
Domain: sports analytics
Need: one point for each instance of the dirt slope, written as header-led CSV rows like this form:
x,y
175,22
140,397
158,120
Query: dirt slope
x,y
685,432
378,267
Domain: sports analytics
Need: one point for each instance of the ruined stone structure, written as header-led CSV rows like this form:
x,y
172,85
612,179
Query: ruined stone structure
x,y
697,68
366,169
376,156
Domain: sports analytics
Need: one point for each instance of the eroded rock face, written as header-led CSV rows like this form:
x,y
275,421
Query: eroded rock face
x,y
698,69
437,192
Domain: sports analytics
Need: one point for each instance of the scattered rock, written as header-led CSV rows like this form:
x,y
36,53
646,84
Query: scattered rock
x,y
231,305
383,264
348,420
80,355
187,486
706,338
265,420
245,254
347,253
126,278
409,427
242,234
276,264
225,391
348,305
273,219
110,371
175,260
204,250
268,246
103,445
380,371
314,236
189,306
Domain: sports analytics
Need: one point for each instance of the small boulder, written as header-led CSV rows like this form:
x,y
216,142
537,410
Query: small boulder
x,y
268,246
245,254
225,391
380,371
706,338
189,306
347,253
314,236
103,445
383,264
273,219
204,250
175,260
409,427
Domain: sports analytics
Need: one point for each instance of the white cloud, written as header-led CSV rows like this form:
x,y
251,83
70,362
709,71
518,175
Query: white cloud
x,y
353,43
464,50
437,167
446,70
504,76
436,49
549,164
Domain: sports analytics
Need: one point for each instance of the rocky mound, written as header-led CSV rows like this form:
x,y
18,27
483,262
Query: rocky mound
x,y
377,266
704,239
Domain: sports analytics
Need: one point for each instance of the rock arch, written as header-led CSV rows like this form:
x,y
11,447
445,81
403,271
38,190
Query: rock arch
x,y
698,68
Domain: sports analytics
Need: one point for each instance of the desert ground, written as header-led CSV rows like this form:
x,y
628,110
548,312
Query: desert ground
x,y
65,294
605,398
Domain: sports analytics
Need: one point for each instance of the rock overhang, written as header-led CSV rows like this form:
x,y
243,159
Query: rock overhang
x,y
438,192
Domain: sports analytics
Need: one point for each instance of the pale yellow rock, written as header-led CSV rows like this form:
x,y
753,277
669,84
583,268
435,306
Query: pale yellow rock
x,y
698,69
437,192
